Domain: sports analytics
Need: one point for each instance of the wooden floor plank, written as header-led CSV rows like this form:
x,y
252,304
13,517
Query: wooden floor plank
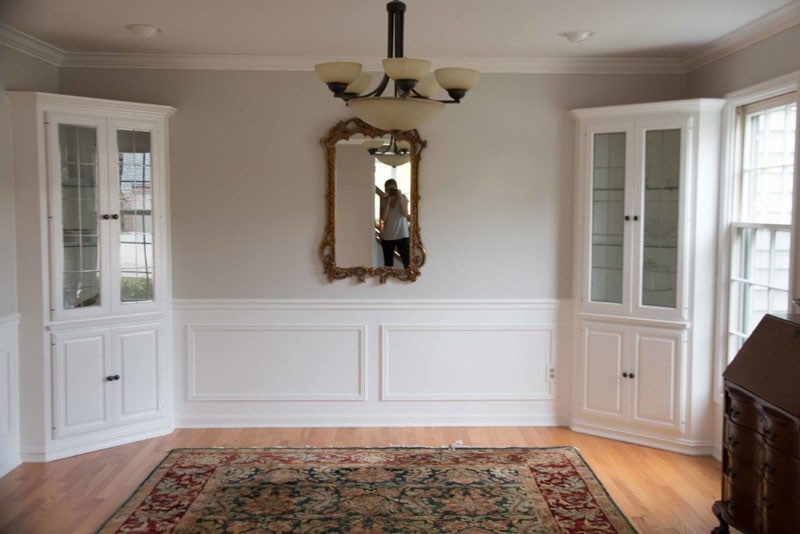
x,y
661,492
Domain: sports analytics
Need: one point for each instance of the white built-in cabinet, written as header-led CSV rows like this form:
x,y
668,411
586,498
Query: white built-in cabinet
x,y
92,230
647,187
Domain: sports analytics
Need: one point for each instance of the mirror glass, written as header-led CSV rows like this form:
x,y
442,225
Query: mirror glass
x,y
372,225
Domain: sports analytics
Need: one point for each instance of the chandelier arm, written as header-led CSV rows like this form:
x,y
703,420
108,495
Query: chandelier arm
x,y
377,92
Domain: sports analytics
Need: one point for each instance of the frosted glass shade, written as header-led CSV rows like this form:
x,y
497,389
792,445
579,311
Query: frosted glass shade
x,y
392,113
457,78
426,87
393,160
403,145
406,68
338,71
360,85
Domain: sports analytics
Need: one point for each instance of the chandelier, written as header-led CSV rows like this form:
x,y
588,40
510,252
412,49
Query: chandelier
x,y
389,152
412,105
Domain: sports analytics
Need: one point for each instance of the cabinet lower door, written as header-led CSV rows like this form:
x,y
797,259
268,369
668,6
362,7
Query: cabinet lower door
x,y
656,393
81,388
137,350
603,357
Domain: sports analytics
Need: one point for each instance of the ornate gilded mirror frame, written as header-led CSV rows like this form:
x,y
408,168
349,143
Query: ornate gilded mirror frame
x,y
343,131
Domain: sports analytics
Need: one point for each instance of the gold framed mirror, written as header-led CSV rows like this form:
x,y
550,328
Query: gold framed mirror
x,y
371,203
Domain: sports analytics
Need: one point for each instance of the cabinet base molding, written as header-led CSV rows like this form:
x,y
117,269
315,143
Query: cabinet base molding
x,y
682,446
73,447
8,466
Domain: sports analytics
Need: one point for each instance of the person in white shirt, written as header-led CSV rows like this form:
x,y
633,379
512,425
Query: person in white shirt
x,y
394,224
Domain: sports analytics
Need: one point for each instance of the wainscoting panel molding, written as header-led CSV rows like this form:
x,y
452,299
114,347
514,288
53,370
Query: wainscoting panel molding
x,y
9,394
476,362
276,362
292,363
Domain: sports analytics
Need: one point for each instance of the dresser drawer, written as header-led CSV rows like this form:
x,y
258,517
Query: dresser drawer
x,y
742,489
743,409
743,442
780,511
780,431
780,469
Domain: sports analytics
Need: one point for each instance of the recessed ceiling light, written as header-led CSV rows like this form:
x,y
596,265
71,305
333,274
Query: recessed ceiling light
x,y
576,36
145,31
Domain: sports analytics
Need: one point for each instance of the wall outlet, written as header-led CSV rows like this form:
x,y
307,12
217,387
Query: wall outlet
x,y
550,373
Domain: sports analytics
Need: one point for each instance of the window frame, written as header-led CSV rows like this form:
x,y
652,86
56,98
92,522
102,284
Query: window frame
x,y
728,198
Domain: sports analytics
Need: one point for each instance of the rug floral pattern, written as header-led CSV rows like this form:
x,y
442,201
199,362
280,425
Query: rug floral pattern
x,y
398,490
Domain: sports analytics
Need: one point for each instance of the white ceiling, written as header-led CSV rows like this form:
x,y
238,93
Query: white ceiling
x,y
468,30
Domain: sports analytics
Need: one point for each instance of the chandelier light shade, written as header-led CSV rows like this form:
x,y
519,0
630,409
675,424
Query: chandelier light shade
x,y
412,104
395,113
391,152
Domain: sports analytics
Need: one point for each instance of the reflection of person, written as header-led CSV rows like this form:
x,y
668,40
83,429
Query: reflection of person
x,y
394,224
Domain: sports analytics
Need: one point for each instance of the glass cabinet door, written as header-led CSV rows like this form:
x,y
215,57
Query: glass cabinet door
x,y
662,162
608,205
135,205
80,204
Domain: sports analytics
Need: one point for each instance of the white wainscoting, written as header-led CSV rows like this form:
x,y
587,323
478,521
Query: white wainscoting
x,y
371,363
9,394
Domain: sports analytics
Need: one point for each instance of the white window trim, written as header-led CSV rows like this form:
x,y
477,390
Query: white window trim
x,y
769,89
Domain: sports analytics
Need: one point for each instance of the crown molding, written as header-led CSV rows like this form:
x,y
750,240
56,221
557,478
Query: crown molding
x,y
763,28
27,44
758,30
306,63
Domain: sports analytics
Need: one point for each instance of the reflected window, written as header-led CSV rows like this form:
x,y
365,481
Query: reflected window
x,y
136,216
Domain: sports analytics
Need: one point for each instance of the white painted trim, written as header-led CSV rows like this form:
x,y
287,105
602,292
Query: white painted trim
x,y
306,63
361,329
678,445
387,395
27,44
649,109
58,449
366,421
367,304
10,320
633,321
762,91
755,32
10,431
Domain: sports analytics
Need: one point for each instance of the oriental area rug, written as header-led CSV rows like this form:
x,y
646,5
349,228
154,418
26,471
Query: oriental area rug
x,y
399,490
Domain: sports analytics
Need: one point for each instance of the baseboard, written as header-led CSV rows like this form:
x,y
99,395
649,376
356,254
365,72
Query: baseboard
x,y
58,451
360,421
9,393
8,466
682,446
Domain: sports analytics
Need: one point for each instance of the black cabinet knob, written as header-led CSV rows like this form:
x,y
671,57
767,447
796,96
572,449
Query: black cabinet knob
x,y
112,378
624,375
635,217
627,217
106,216
115,216
632,375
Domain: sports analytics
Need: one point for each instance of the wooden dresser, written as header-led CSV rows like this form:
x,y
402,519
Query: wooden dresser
x,y
761,440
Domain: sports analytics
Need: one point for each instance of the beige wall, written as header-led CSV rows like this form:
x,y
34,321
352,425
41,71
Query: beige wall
x,y
763,61
21,72
247,177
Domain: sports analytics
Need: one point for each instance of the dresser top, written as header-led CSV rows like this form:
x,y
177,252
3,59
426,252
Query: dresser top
x,y
768,364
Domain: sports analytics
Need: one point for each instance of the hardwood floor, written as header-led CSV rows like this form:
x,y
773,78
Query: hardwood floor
x,y
659,491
